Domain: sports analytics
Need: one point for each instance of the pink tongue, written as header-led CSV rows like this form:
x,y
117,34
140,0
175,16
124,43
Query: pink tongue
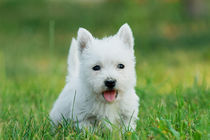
x,y
109,95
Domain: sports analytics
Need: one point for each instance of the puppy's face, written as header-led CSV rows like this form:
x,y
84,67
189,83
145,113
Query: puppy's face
x,y
108,65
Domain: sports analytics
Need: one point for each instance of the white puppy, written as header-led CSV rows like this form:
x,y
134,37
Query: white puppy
x,y
100,82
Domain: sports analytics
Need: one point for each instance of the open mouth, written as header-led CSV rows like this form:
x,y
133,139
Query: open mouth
x,y
110,95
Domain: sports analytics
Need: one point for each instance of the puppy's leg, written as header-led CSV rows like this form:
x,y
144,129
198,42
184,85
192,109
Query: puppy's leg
x,y
62,107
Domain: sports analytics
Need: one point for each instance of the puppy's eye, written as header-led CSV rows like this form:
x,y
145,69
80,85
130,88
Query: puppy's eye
x,y
120,66
96,68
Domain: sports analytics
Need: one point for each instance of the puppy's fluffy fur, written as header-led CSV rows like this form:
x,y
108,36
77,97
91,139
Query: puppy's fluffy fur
x,y
86,98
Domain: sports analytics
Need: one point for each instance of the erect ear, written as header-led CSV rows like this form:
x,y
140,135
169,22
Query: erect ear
x,y
83,37
126,35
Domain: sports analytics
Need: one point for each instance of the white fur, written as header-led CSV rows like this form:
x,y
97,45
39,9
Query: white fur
x,y
81,99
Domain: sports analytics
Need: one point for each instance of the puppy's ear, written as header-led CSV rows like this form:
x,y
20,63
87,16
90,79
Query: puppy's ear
x,y
126,35
83,37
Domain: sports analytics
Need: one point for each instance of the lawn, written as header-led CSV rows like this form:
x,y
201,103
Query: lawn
x,y
173,67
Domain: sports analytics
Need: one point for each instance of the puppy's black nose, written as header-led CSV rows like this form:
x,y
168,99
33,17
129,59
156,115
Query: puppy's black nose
x,y
110,83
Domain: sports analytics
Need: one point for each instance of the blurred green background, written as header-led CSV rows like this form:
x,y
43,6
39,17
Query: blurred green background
x,y
172,37
172,47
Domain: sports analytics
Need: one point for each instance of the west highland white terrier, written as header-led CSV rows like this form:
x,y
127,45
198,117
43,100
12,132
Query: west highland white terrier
x,y
100,83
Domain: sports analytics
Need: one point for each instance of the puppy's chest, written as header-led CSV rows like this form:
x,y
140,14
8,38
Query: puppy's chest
x,y
100,113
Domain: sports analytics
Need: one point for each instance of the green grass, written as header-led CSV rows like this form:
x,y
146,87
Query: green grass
x,y
173,71
179,113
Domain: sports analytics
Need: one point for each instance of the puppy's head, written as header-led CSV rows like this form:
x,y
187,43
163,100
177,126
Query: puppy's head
x,y
107,66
